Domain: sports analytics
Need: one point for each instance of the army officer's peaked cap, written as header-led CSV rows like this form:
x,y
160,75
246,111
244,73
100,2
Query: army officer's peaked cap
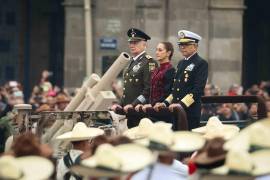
x,y
137,35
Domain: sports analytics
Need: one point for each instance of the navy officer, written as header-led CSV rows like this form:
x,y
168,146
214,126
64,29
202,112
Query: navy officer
x,y
189,81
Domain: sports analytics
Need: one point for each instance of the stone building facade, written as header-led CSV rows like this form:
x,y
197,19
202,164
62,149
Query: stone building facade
x,y
219,22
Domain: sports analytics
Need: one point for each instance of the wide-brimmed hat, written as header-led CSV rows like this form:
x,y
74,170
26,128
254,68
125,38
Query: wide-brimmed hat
x,y
212,155
256,136
243,162
259,134
215,128
111,161
186,141
261,161
237,161
25,168
161,138
142,130
80,132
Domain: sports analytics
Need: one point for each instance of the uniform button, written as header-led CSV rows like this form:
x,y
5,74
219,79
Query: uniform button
x,y
179,80
125,81
174,80
124,88
136,80
133,75
126,74
178,89
177,99
172,89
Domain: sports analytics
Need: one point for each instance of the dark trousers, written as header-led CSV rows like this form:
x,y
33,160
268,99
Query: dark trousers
x,y
133,120
193,122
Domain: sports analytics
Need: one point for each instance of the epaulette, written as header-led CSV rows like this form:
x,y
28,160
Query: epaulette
x,y
148,56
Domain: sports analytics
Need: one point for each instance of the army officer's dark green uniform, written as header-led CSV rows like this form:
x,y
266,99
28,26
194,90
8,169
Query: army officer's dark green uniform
x,y
136,76
137,80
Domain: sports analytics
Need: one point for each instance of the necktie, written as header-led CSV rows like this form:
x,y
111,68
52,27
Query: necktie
x,y
132,62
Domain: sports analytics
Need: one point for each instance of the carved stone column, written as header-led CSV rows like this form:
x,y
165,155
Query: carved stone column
x,y
225,42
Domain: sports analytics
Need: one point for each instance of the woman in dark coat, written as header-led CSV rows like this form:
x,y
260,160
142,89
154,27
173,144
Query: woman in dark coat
x,y
162,77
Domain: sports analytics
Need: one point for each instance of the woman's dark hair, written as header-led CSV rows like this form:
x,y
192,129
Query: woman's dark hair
x,y
169,47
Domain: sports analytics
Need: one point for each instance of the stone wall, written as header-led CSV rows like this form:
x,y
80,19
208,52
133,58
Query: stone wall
x,y
219,22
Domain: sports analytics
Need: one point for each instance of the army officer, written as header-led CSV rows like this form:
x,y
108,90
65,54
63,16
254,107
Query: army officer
x,y
137,74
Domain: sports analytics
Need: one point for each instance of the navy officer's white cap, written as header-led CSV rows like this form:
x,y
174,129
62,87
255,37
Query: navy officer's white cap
x,y
185,37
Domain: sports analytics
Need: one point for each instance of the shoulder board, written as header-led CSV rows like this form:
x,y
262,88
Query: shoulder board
x,y
148,56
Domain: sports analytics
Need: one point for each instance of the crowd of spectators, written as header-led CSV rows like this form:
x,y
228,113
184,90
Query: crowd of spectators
x,y
44,97
236,111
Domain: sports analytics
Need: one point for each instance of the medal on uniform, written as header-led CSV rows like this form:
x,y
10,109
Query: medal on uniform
x,y
152,66
136,67
190,67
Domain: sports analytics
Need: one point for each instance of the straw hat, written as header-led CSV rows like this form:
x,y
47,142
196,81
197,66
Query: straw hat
x,y
236,161
140,131
25,168
259,135
255,136
242,162
240,142
161,138
261,160
215,128
186,141
80,132
212,155
111,161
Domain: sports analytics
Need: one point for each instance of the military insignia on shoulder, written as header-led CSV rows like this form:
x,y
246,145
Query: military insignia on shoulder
x,y
152,66
190,67
188,100
148,56
136,67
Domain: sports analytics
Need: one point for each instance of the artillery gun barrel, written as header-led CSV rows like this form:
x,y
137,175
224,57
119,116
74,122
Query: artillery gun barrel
x,y
89,83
